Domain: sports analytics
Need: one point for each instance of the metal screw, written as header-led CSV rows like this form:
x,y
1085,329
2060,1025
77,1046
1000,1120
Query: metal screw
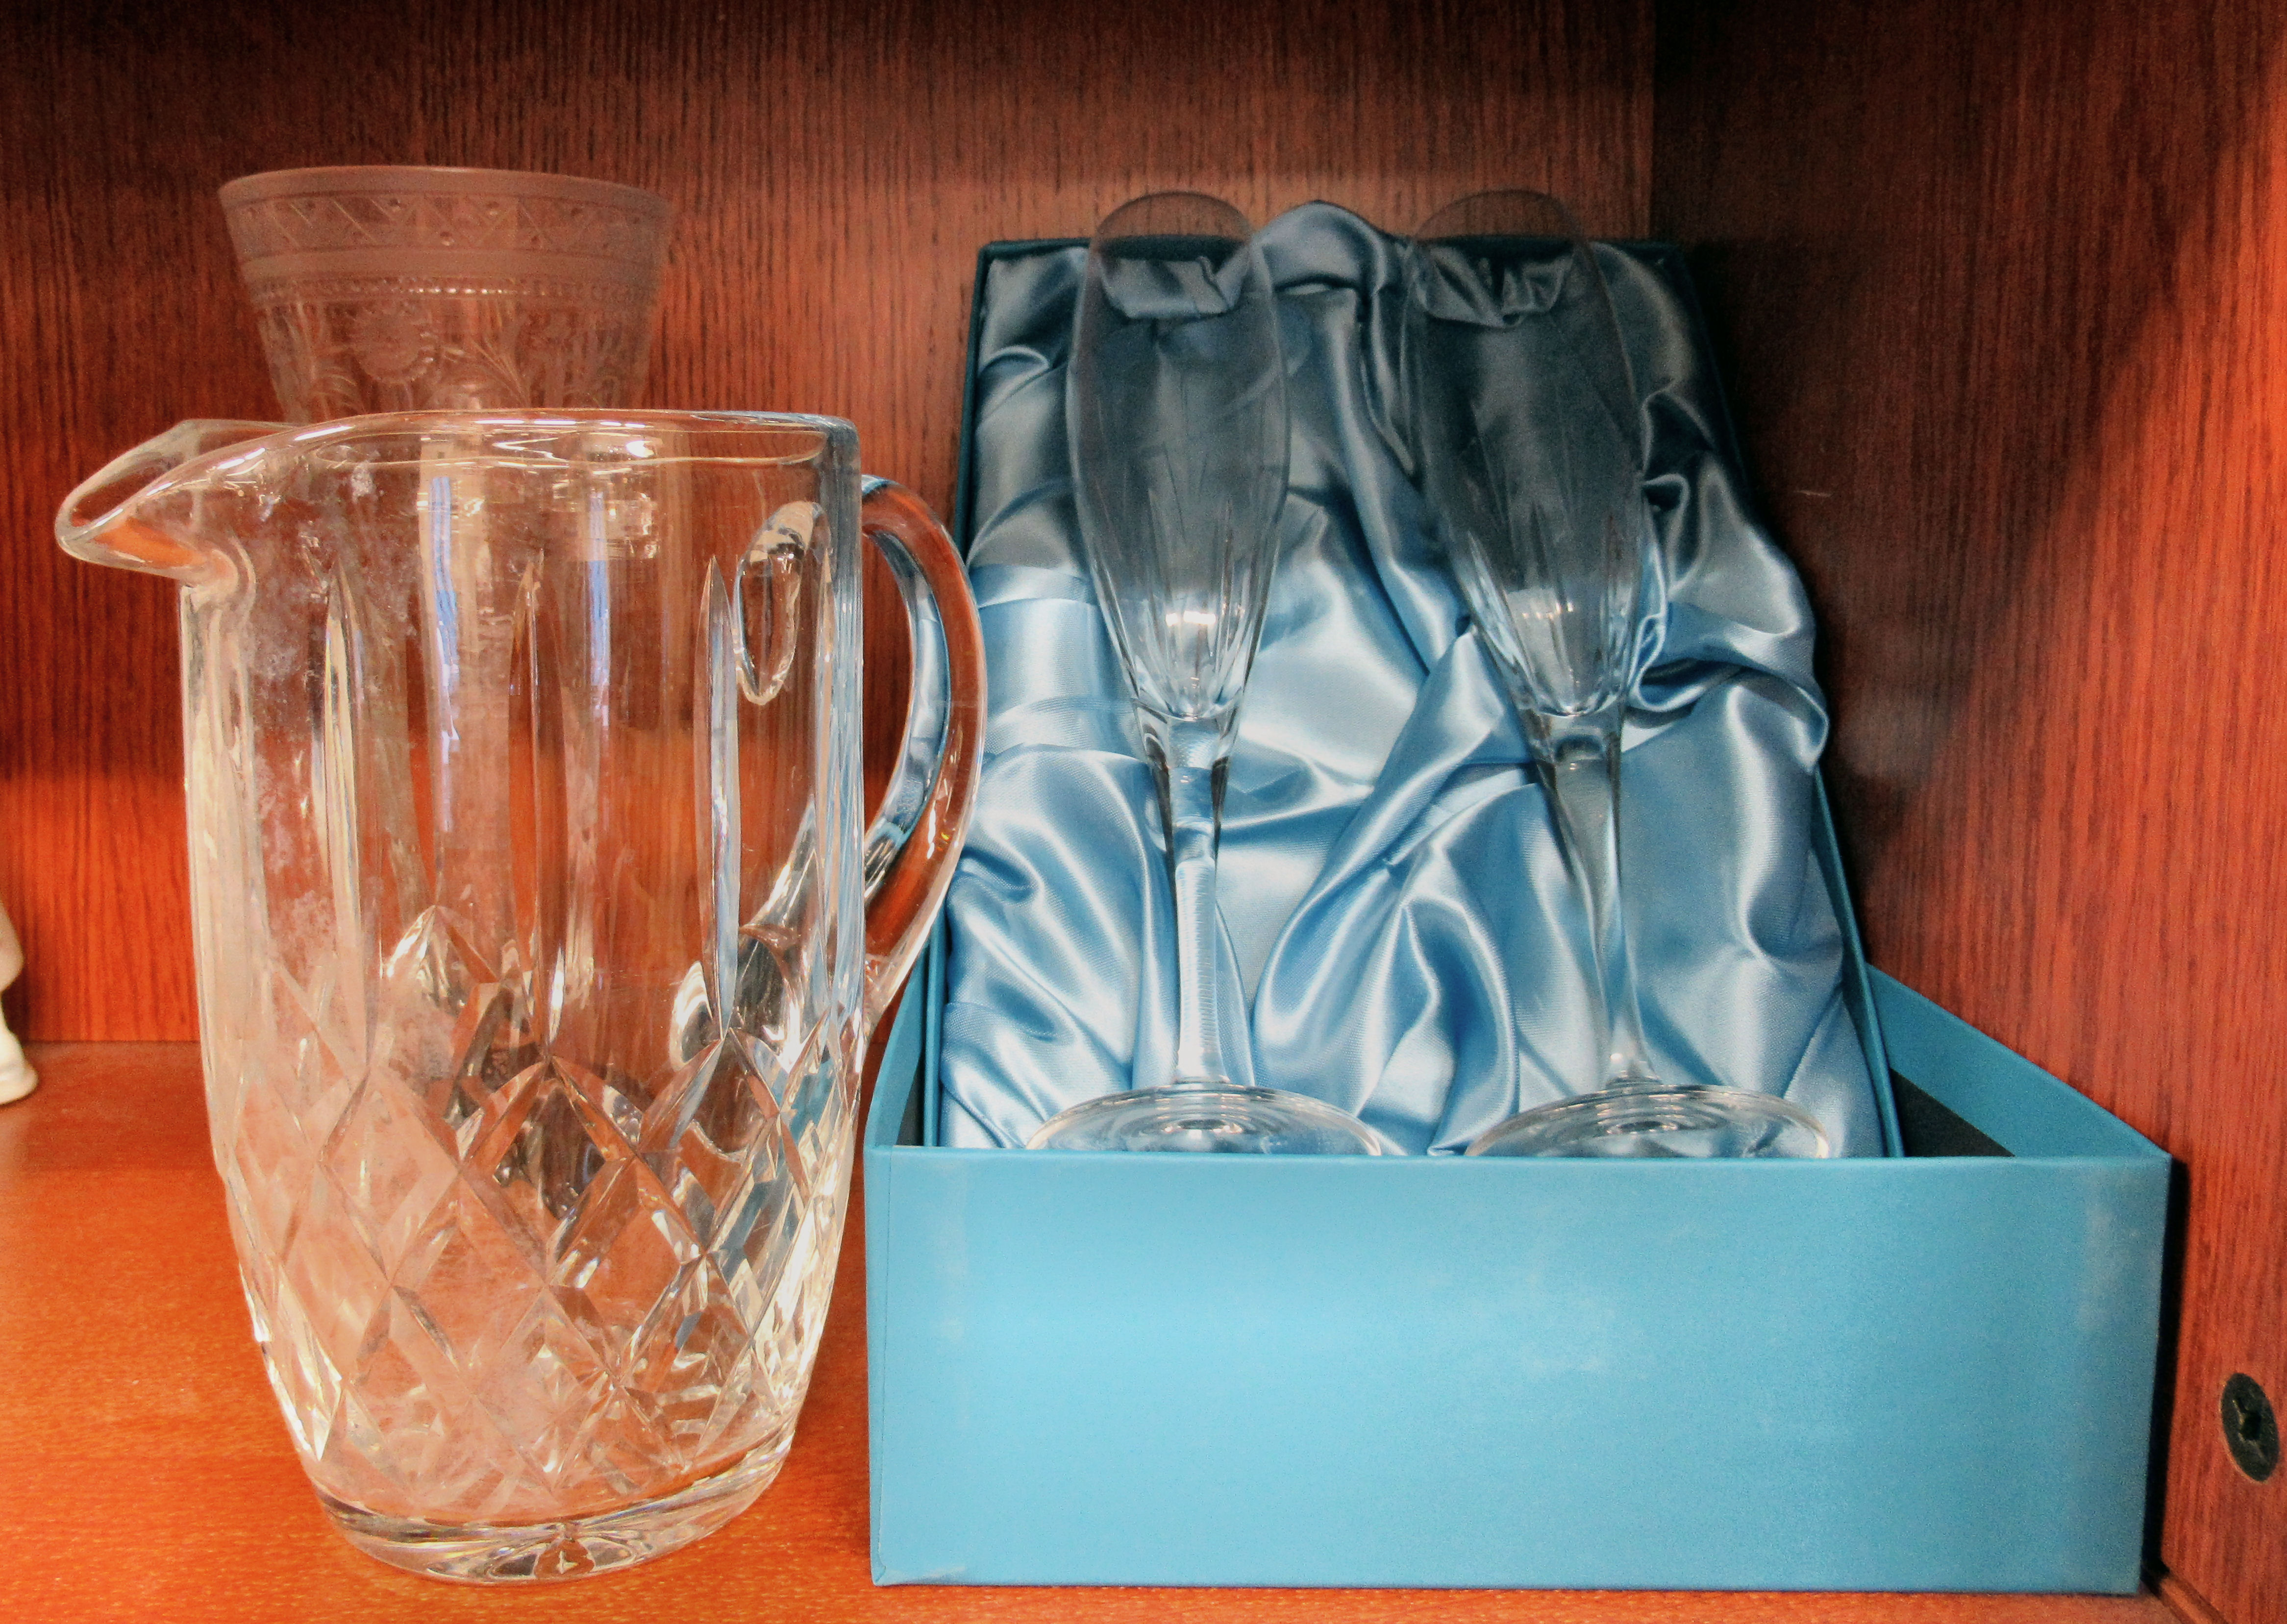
x,y
2251,1430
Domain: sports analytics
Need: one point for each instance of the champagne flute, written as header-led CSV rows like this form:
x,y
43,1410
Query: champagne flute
x,y
1177,407
1526,423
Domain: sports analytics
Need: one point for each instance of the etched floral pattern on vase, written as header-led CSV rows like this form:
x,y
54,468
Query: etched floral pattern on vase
x,y
385,289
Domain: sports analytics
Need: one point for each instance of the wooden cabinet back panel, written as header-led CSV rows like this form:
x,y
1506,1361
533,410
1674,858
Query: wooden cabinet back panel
x,y
835,168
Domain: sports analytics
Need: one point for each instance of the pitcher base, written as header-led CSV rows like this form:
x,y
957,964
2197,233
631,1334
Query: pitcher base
x,y
539,1553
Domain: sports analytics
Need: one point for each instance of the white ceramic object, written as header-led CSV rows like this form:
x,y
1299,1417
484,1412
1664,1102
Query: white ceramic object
x,y
17,1079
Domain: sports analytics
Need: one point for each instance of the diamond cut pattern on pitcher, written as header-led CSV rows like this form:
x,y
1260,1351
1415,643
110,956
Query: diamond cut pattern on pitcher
x,y
433,969
511,1299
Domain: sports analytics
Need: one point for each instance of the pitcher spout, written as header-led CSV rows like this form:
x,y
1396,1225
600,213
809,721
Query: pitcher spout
x,y
141,511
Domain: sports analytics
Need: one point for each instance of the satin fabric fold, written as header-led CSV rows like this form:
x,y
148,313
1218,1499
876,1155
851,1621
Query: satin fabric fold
x,y
1396,915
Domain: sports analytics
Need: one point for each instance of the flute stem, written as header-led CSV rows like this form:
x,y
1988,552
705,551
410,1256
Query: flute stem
x,y
1192,759
1579,759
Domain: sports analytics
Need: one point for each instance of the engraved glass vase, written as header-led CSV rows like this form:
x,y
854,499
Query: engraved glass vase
x,y
391,288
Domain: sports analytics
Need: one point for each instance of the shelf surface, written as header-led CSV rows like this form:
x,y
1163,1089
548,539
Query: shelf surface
x,y
144,1473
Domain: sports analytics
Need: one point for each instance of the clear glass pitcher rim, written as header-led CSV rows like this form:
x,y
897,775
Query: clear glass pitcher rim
x,y
507,436
569,420
174,459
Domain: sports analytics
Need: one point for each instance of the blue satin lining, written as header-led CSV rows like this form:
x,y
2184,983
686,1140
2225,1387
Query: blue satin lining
x,y
1394,907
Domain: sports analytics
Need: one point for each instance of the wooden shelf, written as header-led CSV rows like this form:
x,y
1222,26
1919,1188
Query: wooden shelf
x,y
144,1473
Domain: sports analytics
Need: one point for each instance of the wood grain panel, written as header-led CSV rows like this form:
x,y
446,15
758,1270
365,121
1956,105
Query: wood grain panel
x,y
148,1477
835,168
2006,286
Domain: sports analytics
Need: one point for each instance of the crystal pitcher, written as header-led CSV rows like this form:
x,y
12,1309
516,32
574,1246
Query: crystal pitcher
x,y
537,939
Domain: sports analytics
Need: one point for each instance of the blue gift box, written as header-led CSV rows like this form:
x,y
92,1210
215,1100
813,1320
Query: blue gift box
x,y
1910,1372
1927,1370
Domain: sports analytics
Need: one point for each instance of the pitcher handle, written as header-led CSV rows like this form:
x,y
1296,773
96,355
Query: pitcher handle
x,y
909,850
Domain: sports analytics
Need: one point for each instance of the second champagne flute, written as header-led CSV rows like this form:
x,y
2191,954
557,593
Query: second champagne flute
x,y
1177,407
1526,420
